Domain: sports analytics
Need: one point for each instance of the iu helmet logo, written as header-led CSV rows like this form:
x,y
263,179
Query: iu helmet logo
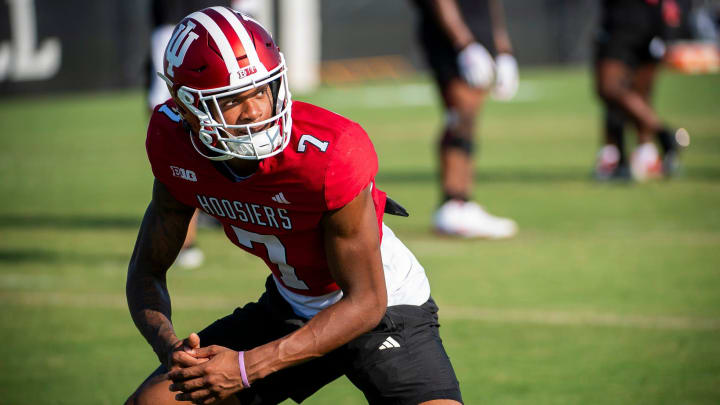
x,y
178,46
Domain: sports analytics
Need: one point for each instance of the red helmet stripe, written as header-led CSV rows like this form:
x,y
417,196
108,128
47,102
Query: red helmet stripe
x,y
221,40
242,34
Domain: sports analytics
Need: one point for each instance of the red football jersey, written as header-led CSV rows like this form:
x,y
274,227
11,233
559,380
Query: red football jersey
x,y
274,213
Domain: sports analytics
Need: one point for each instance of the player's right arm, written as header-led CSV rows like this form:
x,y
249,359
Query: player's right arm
x,y
448,15
161,236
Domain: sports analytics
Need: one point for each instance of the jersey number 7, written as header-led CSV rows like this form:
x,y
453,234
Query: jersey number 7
x,y
276,254
321,145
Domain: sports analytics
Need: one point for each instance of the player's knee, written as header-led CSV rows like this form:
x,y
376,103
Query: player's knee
x,y
131,400
459,127
454,140
138,398
461,118
150,394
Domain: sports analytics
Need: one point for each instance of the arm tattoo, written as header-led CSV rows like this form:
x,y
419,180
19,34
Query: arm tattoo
x,y
160,238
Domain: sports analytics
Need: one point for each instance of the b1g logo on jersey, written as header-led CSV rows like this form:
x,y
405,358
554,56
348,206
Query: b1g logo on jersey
x,y
184,174
178,46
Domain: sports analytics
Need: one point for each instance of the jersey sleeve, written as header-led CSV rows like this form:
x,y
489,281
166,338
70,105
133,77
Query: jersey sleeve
x,y
351,168
160,122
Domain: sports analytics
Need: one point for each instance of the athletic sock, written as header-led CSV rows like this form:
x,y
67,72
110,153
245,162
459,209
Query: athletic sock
x,y
450,196
622,156
667,140
615,131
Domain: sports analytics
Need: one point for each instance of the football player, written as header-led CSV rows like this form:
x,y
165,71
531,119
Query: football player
x,y
468,49
628,51
293,184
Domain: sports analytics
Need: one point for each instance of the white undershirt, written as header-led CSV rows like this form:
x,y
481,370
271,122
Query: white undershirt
x,y
405,280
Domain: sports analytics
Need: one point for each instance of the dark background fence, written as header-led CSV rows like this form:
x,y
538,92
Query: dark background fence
x,y
104,44
542,31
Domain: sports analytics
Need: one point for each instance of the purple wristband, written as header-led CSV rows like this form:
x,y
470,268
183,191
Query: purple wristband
x,y
243,373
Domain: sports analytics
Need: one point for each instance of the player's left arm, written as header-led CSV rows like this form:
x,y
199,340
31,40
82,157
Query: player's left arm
x,y
507,77
352,245
499,27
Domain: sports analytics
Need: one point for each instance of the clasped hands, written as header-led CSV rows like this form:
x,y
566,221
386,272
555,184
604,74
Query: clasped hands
x,y
202,375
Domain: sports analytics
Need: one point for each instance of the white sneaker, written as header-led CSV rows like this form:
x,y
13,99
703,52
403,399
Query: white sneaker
x,y
470,220
608,159
645,163
190,258
608,167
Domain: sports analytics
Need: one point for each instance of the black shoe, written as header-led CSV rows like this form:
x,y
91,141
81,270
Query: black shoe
x,y
619,173
671,146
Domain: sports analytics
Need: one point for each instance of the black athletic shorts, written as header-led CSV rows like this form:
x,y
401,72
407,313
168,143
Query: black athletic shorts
x,y
632,48
631,31
401,361
439,52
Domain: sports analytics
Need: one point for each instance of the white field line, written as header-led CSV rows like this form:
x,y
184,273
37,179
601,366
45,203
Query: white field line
x,y
447,312
408,95
571,318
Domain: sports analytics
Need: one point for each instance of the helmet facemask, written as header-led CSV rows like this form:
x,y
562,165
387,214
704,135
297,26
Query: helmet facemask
x,y
243,141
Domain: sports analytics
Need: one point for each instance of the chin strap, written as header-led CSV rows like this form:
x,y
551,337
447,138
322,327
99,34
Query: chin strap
x,y
197,149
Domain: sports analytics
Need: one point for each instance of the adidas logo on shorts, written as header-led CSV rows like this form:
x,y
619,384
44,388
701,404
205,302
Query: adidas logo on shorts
x,y
389,343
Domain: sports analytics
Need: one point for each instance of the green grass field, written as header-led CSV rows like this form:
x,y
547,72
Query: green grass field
x,y
610,294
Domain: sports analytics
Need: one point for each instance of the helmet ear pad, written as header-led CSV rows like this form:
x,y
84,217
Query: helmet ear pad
x,y
191,119
274,90
187,116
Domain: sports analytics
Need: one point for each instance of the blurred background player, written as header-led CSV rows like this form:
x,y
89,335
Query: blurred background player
x,y
459,39
628,51
165,14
